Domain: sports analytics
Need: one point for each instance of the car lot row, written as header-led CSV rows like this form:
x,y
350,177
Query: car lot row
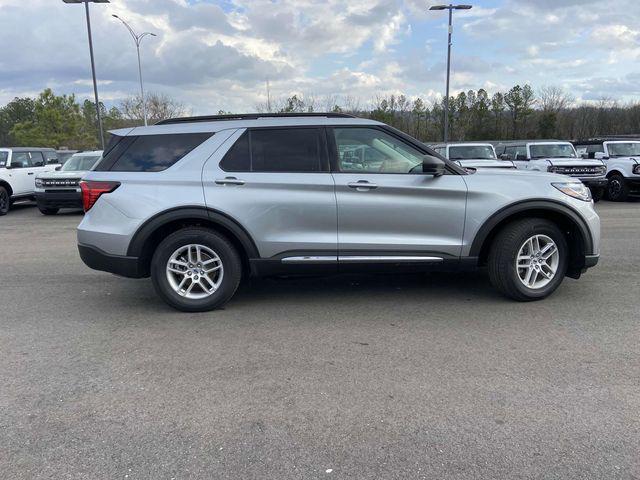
x,y
609,167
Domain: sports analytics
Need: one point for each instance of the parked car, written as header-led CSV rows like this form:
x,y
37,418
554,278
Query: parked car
x,y
622,158
18,169
556,156
64,155
472,155
61,188
199,203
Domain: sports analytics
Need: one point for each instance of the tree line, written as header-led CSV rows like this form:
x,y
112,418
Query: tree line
x,y
61,121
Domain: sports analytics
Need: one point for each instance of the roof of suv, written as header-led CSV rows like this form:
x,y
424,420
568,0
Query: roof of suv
x,y
216,123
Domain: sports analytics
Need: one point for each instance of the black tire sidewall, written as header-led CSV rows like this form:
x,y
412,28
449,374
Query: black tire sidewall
x,y
622,194
230,260
48,211
550,230
5,210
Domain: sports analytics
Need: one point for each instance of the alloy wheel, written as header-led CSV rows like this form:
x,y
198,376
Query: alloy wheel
x,y
537,261
194,271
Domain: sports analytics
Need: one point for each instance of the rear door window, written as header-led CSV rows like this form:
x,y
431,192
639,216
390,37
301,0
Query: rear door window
x,y
285,150
276,150
149,153
4,156
37,159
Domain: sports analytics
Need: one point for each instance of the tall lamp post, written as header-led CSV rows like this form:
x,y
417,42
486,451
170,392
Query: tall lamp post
x,y
451,8
138,38
93,63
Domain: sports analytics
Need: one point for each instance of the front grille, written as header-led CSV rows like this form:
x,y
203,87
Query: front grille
x,y
60,182
579,171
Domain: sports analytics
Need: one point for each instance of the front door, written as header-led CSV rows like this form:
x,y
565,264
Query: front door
x,y
386,206
21,173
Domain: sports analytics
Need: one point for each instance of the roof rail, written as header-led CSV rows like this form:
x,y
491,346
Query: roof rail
x,y
250,116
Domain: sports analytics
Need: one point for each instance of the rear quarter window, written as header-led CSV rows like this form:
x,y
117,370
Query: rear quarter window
x,y
4,157
149,153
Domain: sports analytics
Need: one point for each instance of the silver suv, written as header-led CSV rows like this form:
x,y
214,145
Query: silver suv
x,y
199,203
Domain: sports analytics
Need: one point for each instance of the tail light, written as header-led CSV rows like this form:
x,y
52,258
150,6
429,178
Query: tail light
x,y
91,191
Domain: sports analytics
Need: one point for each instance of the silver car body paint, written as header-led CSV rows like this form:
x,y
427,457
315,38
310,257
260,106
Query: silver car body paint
x,y
411,214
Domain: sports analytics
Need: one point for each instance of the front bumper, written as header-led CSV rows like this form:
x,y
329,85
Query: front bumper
x,y
595,182
53,199
120,265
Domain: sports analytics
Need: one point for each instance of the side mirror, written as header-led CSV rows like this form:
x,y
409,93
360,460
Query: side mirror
x,y
58,168
600,156
504,156
432,166
521,156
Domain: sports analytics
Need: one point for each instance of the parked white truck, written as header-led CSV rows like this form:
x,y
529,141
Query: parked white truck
x,y
471,155
622,158
556,156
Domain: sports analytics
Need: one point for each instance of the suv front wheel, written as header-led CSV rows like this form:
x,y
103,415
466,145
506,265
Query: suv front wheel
x,y
5,201
528,259
196,270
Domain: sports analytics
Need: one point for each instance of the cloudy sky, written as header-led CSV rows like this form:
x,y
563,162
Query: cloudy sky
x,y
218,54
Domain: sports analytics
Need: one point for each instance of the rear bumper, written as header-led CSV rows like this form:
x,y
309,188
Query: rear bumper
x,y
99,260
59,199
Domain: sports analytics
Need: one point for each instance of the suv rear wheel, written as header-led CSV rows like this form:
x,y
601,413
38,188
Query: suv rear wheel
x,y
196,270
528,259
5,201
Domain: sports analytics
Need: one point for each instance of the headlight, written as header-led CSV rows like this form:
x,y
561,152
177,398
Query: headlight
x,y
602,170
575,190
552,169
636,169
39,183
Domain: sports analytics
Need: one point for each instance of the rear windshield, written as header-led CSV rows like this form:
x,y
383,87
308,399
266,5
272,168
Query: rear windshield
x,y
79,163
4,156
471,152
148,153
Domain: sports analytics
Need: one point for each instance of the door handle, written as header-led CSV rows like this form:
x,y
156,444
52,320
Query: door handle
x,y
362,185
29,173
229,181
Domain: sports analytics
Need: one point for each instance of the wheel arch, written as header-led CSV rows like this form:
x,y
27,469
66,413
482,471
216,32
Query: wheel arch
x,y
7,186
151,233
614,172
570,222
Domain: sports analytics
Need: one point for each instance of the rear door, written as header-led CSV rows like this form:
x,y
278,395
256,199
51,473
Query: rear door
x,y
386,206
276,183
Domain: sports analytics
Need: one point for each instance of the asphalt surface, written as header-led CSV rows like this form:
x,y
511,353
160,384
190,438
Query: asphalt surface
x,y
361,377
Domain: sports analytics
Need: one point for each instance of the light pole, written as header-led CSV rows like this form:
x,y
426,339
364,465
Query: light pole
x,y
451,8
138,39
93,63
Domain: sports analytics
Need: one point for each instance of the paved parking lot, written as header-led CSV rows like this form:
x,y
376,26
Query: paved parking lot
x,y
345,377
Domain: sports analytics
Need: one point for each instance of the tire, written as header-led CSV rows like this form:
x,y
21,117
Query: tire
x,y
48,211
511,241
211,245
597,194
617,188
5,201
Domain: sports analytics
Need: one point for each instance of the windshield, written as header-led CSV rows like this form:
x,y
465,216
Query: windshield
x,y
472,152
4,156
552,150
79,163
64,156
623,149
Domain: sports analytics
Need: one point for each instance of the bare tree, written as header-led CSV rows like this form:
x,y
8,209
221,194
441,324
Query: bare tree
x,y
554,99
159,107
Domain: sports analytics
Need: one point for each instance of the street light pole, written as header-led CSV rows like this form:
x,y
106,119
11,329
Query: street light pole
x,y
93,63
138,39
451,8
